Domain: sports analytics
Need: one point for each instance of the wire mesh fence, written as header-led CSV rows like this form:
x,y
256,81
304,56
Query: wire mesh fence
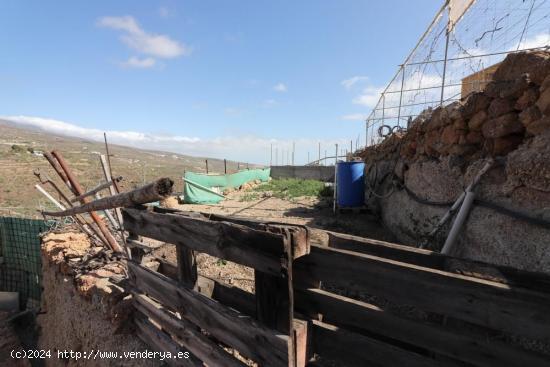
x,y
20,270
456,56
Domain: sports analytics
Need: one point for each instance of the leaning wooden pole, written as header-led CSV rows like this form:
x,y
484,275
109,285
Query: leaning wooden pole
x,y
112,243
158,190
45,179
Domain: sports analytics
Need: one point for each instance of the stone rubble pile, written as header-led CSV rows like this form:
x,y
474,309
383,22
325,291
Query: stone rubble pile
x,y
514,106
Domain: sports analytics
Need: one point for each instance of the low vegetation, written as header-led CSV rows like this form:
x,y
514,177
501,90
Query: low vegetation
x,y
249,196
289,188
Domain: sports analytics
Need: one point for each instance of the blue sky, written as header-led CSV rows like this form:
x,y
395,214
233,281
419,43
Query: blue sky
x,y
210,78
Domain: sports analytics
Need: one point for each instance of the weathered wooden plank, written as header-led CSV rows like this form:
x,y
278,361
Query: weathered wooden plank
x,y
186,332
301,343
161,342
490,304
421,257
274,296
343,311
225,324
227,295
187,267
257,249
272,301
300,234
142,245
354,349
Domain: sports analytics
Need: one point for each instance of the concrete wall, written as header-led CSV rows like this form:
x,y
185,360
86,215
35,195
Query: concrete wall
x,y
321,173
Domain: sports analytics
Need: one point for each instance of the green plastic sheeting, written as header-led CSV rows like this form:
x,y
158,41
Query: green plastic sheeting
x,y
195,195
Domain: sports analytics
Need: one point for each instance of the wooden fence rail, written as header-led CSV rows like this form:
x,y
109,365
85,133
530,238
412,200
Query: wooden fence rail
x,y
341,299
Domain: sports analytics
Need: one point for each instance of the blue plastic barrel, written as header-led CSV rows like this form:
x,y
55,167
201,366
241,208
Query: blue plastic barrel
x,y
349,184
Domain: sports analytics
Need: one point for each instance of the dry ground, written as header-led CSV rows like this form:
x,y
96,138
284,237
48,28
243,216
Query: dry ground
x,y
18,196
310,211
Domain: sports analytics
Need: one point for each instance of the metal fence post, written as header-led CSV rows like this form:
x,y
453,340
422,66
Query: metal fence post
x,y
400,95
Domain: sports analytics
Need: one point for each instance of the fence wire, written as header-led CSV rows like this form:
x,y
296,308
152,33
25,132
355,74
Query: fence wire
x,y
440,68
20,270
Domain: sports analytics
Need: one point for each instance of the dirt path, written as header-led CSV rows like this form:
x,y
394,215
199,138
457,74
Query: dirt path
x,y
309,211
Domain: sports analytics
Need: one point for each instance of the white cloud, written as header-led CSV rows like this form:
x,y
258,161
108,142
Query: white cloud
x,y
355,117
369,96
65,128
538,40
136,62
280,87
244,148
135,37
348,83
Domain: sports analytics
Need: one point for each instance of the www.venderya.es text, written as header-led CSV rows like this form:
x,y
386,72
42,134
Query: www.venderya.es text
x,y
95,354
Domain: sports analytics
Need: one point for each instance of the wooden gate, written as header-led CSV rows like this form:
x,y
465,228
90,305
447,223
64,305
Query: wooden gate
x,y
353,300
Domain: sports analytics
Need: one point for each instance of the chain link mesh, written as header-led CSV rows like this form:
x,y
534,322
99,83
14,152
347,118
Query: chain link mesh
x,y
20,270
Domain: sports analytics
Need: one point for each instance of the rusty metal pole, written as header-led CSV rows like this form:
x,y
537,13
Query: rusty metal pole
x,y
57,168
45,179
79,191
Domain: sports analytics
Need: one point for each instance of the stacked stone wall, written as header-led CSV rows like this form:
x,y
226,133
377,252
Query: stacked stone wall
x,y
444,148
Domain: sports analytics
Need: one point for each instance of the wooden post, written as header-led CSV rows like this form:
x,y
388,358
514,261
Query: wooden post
x,y
187,267
115,184
135,252
275,295
225,166
113,189
206,161
158,190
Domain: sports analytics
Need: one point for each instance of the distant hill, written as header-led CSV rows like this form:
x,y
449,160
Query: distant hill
x,y
17,162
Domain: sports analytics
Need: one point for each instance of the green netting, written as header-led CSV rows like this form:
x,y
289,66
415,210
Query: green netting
x,y
21,270
193,194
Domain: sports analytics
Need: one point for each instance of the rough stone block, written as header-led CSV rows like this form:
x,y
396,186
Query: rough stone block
x,y
536,64
501,126
545,83
504,145
440,118
515,88
539,127
474,137
474,103
449,135
493,88
500,106
460,124
543,103
432,143
528,98
529,115
477,120
462,149
455,110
